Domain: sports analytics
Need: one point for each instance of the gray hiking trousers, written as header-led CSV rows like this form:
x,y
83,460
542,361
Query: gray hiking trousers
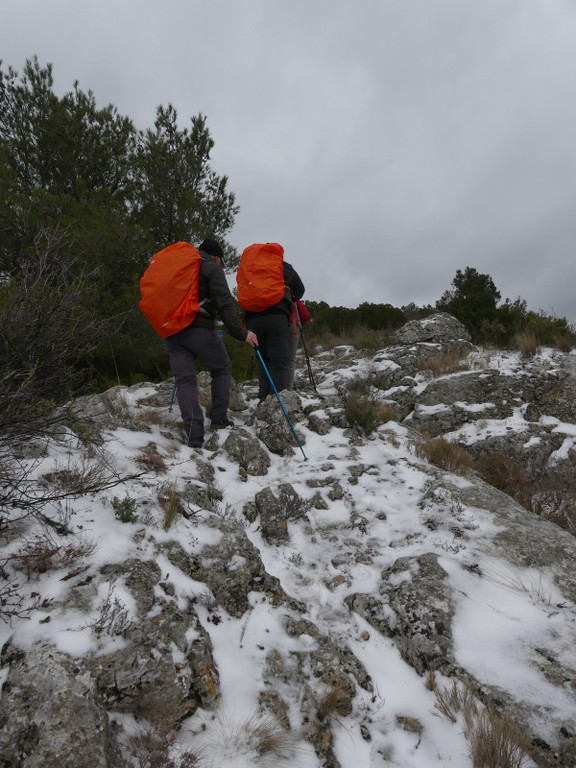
x,y
274,346
206,345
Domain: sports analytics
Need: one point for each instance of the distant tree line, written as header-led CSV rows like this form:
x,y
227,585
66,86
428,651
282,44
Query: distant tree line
x,y
86,198
341,320
473,299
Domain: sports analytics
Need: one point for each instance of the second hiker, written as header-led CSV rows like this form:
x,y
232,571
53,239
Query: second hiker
x,y
301,317
267,288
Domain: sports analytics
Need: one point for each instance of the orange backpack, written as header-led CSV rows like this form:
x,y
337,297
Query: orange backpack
x,y
169,288
260,276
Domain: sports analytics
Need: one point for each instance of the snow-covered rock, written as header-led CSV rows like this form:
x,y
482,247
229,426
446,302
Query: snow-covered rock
x,y
269,603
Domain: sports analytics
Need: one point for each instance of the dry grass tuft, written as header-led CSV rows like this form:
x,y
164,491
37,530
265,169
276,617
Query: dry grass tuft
x,y
359,337
267,736
336,702
45,552
495,741
150,459
455,700
537,585
153,746
564,342
443,454
257,738
386,413
555,500
549,494
430,682
78,477
507,476
112,618
445,363
169,499
155,416
526,342
365,411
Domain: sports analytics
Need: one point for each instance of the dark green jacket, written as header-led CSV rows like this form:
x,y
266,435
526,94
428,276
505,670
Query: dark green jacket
x,y
216,300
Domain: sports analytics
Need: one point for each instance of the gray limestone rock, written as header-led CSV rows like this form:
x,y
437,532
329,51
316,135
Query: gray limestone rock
x,y
440,327
49,708
247,451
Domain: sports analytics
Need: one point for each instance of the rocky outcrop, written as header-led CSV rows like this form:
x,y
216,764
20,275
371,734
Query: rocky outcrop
x,y
440,328
232,560
50,704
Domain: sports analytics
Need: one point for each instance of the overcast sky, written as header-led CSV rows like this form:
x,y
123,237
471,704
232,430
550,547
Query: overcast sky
x,y
384,143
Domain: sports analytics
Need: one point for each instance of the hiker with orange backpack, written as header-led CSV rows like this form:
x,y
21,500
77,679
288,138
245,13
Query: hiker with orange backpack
x,y
267,288
183,290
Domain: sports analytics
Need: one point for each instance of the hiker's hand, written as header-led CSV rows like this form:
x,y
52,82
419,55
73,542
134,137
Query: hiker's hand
x,y
252,339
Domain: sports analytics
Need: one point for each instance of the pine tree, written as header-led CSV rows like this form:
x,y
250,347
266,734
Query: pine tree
x,y
472,300
179,196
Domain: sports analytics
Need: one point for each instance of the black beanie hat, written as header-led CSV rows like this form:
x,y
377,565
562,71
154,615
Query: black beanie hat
x,y
212,248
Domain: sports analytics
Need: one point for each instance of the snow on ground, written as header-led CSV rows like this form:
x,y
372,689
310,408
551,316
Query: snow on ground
x,y
331,554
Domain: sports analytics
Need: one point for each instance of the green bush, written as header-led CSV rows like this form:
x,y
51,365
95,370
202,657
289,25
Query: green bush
x,y
365,411
125,509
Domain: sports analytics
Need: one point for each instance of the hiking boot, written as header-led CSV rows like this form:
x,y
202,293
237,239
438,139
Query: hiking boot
x,y
221,424
195,443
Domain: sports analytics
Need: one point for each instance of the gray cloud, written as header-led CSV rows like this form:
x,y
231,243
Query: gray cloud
x,y
384,144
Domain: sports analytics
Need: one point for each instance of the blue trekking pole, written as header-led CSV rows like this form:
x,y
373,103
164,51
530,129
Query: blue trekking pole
x,y
172,398
281,403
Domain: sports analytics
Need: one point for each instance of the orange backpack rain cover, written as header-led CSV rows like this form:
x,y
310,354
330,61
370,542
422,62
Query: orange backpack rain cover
x,y
169,288
260,276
